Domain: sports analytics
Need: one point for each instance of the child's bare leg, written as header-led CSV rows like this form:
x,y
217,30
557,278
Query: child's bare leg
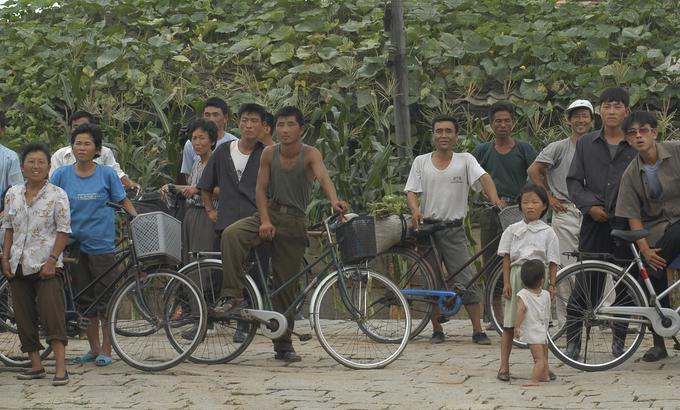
x,y
546,372
539,365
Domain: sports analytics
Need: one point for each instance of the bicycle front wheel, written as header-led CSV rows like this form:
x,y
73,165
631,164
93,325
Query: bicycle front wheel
x,y
10,345
361,319
408,270
148,311
225,339
588,340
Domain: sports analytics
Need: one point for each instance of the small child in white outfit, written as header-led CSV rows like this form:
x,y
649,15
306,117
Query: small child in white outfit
x,y
533,317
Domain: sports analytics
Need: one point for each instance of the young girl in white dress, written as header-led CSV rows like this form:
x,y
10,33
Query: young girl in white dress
x,y
533,317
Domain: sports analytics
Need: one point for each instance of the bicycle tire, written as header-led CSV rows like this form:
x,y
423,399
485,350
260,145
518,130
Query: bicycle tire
x,y
159,292
494,302
409,270
596,353
10,345
222,342
353,339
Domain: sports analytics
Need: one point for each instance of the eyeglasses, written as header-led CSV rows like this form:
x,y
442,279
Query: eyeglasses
x,y
633,132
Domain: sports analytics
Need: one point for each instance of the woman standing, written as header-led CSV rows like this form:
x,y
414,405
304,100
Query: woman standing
x,y
198,230
89,187
37,225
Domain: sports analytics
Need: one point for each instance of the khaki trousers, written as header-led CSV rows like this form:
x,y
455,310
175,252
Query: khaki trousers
x,y
287,251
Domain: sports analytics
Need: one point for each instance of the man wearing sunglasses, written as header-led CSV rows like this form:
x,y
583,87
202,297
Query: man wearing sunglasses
x,y
649,196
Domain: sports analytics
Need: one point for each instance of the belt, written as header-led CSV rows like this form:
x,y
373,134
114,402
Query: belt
x,y
285,209
455,223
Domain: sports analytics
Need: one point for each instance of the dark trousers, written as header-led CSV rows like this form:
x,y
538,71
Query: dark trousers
x,y
596,237
38,301
670,249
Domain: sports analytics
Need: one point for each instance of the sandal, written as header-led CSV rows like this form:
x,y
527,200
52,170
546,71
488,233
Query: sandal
x,y
32,374
503,376
552,375
103,360
654,354
87,357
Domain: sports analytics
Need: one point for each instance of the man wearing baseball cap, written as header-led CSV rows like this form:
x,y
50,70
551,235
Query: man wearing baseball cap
x,y
549,170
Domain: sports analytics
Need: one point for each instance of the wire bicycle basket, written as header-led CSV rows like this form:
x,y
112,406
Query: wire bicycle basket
x,y
509,215
356,239
157,237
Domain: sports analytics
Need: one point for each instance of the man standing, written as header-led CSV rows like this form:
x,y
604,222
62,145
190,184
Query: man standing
x,y
549,171
506,160
593,183
215,110
437,189
284,181
649,196
10,171
64,156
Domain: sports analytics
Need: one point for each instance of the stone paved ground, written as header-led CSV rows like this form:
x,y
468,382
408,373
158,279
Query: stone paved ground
x,y
455,374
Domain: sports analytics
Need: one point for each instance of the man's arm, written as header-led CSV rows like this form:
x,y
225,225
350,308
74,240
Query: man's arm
x,y
489,189
537,174
321,174
414,205
267,230
650,254
187,158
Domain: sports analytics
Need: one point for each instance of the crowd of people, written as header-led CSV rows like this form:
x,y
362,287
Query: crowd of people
x,y
250,193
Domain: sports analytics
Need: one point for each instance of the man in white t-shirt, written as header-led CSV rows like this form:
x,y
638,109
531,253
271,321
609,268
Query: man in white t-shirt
x,y
437,188
215,110
64,156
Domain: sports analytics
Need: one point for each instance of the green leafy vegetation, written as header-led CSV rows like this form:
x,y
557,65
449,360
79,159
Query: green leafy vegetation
x,y
144,67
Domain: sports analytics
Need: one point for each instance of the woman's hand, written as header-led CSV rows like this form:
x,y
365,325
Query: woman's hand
x,y
48,269
6,269
517,332
190,191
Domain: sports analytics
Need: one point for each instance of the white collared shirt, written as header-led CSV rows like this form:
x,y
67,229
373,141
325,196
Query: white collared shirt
x,y
35,227
64,156
525,241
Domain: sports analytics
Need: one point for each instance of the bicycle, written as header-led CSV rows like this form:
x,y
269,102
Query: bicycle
x,y
360,317
610,299
408,265
144,309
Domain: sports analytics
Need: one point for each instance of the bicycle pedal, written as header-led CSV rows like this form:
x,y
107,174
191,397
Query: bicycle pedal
x,y
83,322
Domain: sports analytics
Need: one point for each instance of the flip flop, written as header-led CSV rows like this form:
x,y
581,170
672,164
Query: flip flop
x,y
102,361
87,357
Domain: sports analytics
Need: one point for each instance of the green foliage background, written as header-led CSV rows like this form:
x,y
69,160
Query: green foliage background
x,y
144,67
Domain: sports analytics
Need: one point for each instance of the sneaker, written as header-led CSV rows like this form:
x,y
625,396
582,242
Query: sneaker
x,y
437,337
287,357
481,339
32,374
239,336
60,381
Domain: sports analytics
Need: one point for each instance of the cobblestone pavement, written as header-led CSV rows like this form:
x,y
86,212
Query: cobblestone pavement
x,y
455,374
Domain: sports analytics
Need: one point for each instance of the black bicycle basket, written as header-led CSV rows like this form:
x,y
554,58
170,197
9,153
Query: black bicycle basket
x,y
356,239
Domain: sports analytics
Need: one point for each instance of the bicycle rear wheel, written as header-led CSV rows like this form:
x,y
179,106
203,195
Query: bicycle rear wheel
x,y
225,339
367,329
583,287
151,310
408,270
10,345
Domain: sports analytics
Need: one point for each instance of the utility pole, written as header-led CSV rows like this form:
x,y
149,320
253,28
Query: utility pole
x,y
402,118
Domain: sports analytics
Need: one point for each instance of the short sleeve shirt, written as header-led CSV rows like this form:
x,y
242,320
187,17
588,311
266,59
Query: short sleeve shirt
x,y
10,171
444,193
64,156
35,226
508,171
635,199
189,156
92,221
557,157
526,241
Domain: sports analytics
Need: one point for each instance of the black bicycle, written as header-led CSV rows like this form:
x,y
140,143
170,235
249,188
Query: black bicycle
x,y
149,305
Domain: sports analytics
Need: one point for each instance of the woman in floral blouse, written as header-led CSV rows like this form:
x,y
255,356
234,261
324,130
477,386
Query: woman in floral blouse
x,y
37,223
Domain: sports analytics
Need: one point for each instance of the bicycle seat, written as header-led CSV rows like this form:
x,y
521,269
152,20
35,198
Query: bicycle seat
x,y
630,236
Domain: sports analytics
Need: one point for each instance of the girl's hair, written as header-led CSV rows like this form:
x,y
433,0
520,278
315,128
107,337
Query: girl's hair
x,y
538,190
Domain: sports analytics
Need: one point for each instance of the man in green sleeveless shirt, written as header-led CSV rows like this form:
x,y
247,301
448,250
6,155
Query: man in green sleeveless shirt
x,y
287,171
